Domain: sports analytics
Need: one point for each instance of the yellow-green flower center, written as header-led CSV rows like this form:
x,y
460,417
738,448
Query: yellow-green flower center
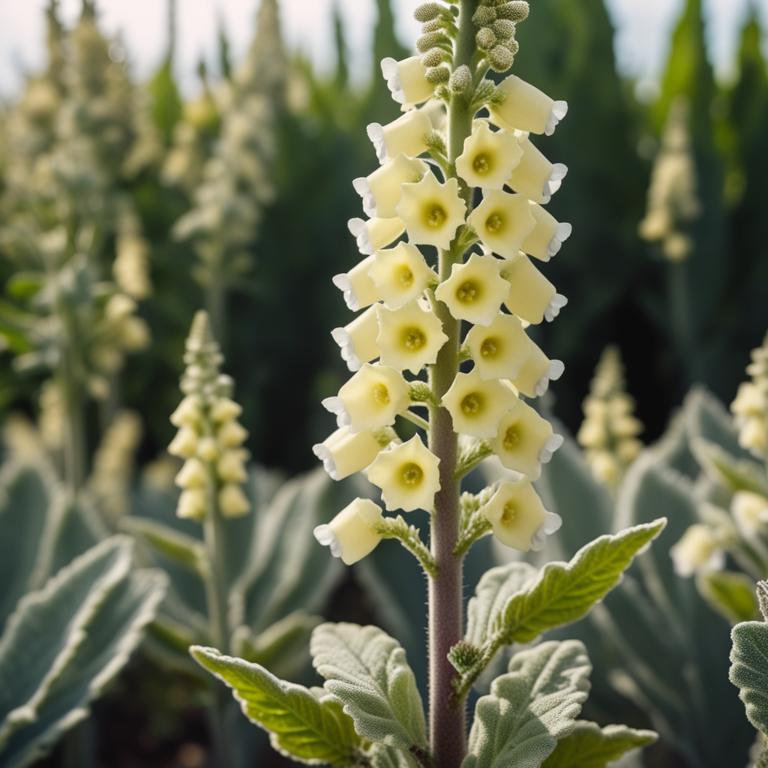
x,y
380,394
468,292
404,276
411,474
490,347
512,437
472,404
509,513
435,215
494,223
481,164
413,338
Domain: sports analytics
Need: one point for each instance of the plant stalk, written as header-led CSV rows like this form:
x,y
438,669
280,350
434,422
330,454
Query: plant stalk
x,y
447,716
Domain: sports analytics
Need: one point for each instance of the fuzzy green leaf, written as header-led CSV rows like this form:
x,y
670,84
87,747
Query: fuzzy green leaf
x,y
366,670
730,594
530,708
590,746
736,474
749,670
301,725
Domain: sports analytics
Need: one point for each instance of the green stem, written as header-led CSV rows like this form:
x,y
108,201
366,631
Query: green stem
x,y
446,605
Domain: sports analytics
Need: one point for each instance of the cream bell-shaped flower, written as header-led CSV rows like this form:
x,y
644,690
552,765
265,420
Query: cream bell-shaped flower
x,y
193,474
188,413
231,466
230,435
408,476
698,550
529,294
525,440
192,504
352,534
502,222
534,176
232,501
518,517
409,337
357,340
400,274
357,286
475,290
432,211
225,409
476,406
538,370
408,135
381,190
488,157
345,452
371,399
499,349
546,239
750,511
523,106
407,81
184,444
375,233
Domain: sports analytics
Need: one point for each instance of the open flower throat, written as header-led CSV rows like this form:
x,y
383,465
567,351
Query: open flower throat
x,y
476,208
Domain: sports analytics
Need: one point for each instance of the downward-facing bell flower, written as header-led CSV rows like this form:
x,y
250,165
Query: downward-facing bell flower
x,y
374,234
345,452
476,406
407,80
523,106
525,440
500,349
382,189
534,176
538,370
518,518
400,274
488,157
407,474
547,236
529,294
409,337
371,399
356,285
432,211
408,135
502,222
357,340
699,549
750,511
352,534
475,290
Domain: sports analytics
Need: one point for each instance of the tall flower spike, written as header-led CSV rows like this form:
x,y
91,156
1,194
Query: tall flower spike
x,y
503,222
750,408
209,435
489,157
400,275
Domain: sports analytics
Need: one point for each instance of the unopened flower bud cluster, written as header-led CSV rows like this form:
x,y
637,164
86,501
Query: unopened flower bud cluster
x,y
609,431
210,438
750,407
417,206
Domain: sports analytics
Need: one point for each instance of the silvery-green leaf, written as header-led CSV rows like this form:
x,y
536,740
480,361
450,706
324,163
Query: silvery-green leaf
x,y
530,708
736,474
169,543
389,757
731,594
309,728
366,670
590,746
749,670
706,418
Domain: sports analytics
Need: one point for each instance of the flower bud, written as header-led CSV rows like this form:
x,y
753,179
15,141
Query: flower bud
x,y
428,12
516,11
352,534
485,39
501,57
232,501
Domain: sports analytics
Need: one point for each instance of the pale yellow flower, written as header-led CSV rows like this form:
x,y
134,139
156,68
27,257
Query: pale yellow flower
x,y
698,550
432,211
750,511
357,340
488,157
357,286
407,474
375,233
382,189
232,501
409,337
371,399
407,81
529,294
231,466
208,448
352,534
475,290
534,176
502,222
192,474
476,406
225,409
499,349
538,370
547,237
525,440
231,435
345,452
400,274
184,444
525,107
192,504
518,517
408,135
188,412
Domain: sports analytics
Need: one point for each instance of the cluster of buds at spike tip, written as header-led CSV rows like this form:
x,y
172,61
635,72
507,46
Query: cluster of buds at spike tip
x,y
210,438
496,24
609,431
418,205
750,408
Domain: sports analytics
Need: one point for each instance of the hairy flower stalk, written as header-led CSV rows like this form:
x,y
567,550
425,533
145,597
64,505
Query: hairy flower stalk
x,y
441,322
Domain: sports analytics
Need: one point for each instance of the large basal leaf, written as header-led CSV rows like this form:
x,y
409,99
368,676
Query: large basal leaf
x,y
302,725
749,670
590,746
114,631
519,723
706,418
564,592
366,670
44,634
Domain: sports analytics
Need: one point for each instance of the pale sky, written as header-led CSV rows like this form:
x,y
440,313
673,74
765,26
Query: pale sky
x,y
642,25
